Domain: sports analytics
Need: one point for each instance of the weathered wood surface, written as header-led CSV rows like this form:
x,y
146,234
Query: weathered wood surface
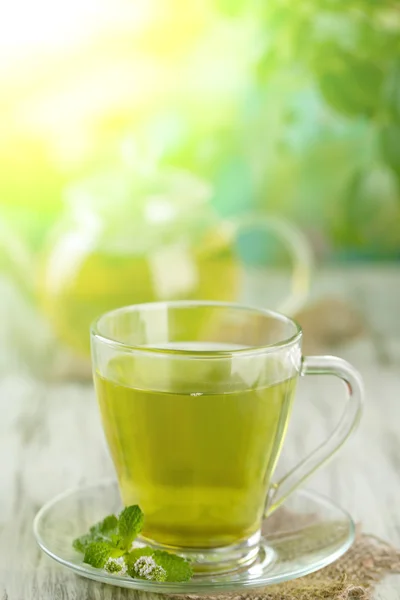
x,y
51,439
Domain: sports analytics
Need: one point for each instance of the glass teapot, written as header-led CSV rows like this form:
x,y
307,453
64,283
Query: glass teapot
x,y
133,236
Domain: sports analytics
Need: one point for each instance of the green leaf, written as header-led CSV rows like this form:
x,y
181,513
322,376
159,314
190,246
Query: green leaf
x,y
117,541
351,85
84,541
176,567
109,524
107,543
392,90
138,552
97,554
101,531
130,524
390,145
106,527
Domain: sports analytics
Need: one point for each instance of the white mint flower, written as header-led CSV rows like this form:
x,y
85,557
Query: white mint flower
x,y
116,565
146,567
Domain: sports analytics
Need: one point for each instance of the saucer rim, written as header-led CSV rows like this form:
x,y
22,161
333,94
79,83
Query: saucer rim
x,y
192,586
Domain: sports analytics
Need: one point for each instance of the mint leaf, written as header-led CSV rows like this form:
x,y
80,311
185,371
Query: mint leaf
x,y
176,567
106,527
80,543
117,541
130,523
138,552
97,554
101,531
107,546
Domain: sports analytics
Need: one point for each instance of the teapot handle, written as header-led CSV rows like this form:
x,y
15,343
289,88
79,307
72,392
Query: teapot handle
x,y
299,249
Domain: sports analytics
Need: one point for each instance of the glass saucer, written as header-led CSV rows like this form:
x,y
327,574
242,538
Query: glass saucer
x,y
307,533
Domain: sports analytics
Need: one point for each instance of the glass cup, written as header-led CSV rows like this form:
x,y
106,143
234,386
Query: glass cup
x,y
195,399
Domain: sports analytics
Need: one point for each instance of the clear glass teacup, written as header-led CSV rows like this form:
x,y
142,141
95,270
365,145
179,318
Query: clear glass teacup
x,y
195,399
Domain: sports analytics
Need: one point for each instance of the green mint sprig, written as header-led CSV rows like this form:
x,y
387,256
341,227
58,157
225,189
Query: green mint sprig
x,y
108,545
99,532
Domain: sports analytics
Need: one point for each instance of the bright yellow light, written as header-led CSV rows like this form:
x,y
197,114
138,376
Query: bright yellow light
x,y
48,25
57,64
68,68
42,24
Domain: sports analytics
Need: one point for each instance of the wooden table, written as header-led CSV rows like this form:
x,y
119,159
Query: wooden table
x,y
51,439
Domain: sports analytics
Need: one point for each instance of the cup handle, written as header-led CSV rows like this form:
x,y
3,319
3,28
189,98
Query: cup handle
x,y
299,248
322,365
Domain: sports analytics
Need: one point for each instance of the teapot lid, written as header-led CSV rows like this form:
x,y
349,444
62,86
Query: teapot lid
x,y
130,209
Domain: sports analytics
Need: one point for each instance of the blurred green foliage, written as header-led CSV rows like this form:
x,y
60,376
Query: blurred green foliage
x,y
291,105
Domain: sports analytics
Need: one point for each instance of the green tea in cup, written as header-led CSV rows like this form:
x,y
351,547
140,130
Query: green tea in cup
x,y
195,399
198,459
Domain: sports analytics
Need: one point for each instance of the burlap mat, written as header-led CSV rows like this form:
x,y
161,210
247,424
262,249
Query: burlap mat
x,y
353,576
